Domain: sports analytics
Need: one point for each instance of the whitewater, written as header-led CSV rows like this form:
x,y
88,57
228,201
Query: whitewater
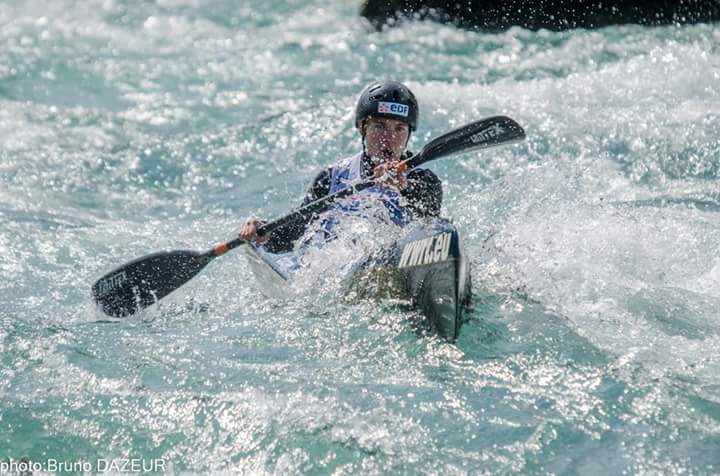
x,y
593,345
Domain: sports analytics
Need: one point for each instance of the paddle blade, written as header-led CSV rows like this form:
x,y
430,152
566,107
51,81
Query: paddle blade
x,y
146,280
480,134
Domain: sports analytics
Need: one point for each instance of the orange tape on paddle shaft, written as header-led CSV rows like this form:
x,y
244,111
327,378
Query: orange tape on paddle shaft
x,y
221,249
401,167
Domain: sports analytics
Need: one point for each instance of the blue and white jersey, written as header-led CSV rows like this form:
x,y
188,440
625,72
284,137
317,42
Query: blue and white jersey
x,y
348,172
422,198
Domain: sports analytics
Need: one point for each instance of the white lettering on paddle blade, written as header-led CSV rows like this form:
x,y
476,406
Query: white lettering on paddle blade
x,y
106,285
487,134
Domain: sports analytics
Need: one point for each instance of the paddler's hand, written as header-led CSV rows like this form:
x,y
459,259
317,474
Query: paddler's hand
x,y
391,175
249,232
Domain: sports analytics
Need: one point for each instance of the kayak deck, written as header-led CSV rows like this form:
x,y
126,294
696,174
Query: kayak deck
x,y
426,267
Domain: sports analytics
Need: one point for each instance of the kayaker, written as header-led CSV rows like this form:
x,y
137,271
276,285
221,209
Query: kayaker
x,y
385,117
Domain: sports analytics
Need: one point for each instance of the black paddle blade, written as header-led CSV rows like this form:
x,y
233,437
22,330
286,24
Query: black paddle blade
x,y
476,135
146,280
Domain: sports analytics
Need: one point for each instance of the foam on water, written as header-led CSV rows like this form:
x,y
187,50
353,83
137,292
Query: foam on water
x,y
130,127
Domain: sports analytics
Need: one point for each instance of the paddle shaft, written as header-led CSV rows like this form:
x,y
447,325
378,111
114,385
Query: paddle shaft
x,y
476,135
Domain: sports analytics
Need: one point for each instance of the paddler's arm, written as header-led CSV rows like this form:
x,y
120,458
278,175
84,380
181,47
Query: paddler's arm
x,y
282,239
320,187
423,193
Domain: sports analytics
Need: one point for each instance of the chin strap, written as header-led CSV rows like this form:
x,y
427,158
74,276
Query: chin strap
x,y
362,137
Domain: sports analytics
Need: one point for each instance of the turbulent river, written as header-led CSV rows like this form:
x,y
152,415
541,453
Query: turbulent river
x,y
593,346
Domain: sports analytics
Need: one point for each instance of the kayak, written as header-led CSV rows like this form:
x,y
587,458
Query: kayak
x,y
426,268
430,268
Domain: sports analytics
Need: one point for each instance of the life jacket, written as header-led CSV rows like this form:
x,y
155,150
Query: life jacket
x,y
348,172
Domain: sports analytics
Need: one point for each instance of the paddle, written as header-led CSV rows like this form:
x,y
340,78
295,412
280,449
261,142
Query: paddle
x,y
144,281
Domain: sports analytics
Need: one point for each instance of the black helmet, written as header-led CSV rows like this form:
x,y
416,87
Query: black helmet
x,y
387,99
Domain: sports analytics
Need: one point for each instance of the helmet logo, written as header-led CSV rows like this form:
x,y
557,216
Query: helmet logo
x,y
393,108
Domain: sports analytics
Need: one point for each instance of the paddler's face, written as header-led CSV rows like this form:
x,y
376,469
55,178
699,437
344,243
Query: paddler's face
x,y
385,138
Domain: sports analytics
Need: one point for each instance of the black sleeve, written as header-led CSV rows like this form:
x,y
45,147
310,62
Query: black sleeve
x,y
424,193
319,188
283,238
